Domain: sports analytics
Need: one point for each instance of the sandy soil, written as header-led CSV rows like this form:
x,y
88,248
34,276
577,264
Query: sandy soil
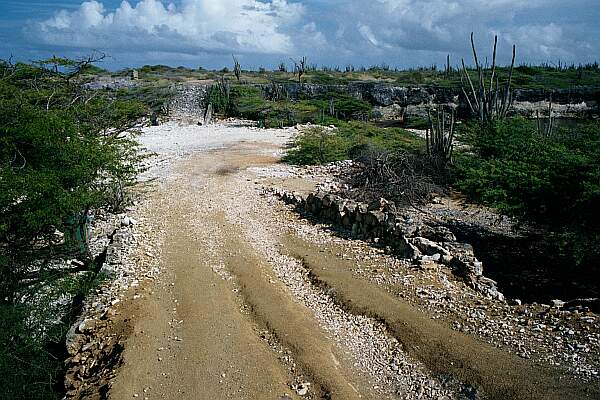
x,y
249,307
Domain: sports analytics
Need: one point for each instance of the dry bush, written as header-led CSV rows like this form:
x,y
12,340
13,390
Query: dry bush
x,y
399,176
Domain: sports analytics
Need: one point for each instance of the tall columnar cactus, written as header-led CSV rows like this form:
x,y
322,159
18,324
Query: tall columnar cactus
x,y
219,96
488,102
300,67
440,137
547,129
276,92
237,69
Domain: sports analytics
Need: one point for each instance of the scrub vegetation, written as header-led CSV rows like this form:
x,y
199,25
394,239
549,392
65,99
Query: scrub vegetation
x,y
64,152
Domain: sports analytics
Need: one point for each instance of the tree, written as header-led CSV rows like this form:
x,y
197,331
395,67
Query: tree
x,y
64,151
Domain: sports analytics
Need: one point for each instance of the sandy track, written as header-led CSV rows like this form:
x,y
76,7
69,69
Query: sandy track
x,y
246,309
199,334
443,350
192,341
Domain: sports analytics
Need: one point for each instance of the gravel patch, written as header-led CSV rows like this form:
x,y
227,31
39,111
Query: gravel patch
x,y
175,140
548,334
376,354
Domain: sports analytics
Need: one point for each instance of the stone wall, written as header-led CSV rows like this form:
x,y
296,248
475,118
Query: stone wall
x,y
427,245
188,101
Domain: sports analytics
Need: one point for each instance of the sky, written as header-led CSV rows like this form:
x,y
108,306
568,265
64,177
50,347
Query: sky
x,y
206,33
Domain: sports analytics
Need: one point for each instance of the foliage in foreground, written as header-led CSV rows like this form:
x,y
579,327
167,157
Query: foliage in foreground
x,y
64,151
28,369
32,353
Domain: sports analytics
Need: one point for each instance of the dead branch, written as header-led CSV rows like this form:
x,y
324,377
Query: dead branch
x,y
17,152
398,176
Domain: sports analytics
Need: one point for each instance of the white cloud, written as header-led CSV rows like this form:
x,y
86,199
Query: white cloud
x,y
367,33
425,30
432,24
548,41
398,32
196,26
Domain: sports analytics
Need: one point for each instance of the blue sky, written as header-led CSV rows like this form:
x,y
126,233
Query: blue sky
x,y
402,33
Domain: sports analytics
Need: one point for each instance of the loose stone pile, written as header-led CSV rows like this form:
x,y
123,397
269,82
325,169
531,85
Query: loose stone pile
x,y
93,343
427,245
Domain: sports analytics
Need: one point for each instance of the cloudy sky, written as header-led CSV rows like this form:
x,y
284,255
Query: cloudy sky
x,y
400,33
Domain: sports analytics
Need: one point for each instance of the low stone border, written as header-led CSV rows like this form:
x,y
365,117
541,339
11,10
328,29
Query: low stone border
x,y
426,245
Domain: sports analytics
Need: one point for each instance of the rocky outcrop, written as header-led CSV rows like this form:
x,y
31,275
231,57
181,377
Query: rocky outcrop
x,y
428,246
394,102
377,94
384,94
573,95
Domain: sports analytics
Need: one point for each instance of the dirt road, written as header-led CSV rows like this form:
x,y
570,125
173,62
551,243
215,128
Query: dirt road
x,y
252,304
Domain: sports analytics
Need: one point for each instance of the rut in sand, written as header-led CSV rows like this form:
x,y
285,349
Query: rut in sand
x,y
248,307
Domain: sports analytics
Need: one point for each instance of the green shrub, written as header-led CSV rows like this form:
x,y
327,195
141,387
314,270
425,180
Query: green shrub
x,y
249,102
62,150
317,146
416,123
527,175
348,141
552,181
28,369
59,149
154,97
391,139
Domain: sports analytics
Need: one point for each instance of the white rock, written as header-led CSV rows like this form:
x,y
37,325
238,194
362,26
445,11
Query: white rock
x,y
557,303
302,389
